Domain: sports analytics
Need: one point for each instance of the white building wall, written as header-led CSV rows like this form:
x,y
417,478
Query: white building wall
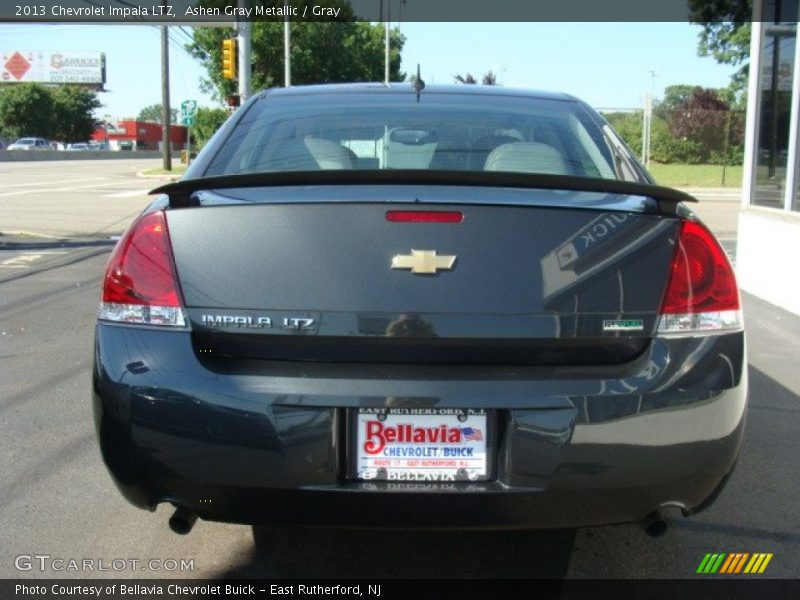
x,y
768,244
767,253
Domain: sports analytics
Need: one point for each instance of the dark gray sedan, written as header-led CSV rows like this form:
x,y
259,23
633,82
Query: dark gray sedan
x,y
410,306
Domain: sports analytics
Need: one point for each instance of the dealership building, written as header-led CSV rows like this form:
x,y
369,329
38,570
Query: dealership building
x,y
769,223
139,135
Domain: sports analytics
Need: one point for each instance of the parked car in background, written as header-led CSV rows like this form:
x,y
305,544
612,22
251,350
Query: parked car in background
x,y
99,146
79,147
409,306
30,143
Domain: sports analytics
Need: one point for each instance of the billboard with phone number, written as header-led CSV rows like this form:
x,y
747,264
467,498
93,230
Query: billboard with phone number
x,y
86,68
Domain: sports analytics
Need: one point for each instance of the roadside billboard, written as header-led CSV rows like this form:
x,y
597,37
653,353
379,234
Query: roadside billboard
x,y
86,68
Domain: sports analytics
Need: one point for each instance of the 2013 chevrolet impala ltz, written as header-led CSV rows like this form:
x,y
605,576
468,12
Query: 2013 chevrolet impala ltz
x,y
409,306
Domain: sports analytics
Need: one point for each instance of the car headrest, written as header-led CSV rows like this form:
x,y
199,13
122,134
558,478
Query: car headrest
x,y
328,154
527,157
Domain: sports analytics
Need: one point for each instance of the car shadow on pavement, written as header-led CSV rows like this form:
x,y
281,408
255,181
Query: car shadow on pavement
x,y
767,463
283,552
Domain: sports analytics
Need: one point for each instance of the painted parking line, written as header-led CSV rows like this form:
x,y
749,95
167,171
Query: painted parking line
x,y
24,260
71,188
38,183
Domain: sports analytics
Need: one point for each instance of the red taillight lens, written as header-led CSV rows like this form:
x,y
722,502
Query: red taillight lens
x,y
140,285
424,216
701,278
701,296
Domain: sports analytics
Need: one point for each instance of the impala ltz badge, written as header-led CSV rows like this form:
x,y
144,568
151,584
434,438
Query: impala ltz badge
x,y
260,322
423,262
236,321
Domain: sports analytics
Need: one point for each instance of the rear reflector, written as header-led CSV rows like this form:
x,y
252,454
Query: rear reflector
x,y
140,285
702,295
424,216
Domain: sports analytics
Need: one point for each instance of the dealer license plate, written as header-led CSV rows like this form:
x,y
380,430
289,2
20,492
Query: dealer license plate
x,y
421,444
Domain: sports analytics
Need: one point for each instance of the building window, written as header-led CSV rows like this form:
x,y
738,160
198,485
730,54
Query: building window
x,y
775,100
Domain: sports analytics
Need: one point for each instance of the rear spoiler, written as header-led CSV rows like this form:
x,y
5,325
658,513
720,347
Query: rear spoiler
x,y
180,192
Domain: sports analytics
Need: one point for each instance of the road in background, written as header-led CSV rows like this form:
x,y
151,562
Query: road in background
x,y
60,199
718,208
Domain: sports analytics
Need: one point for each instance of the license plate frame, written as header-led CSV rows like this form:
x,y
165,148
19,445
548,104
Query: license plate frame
x,y
439,457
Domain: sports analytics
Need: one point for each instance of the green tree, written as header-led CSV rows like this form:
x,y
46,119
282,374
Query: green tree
x,y
489,78
152,114
62,113
468,79
726,38
72,119
674,96
206,123
705,119
629,127
664,147
25,110
321,52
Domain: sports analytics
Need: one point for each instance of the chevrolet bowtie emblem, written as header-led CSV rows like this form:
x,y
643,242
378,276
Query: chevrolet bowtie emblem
x,y
423,262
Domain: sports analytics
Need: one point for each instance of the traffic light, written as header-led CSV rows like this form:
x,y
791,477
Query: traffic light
x,y
229,59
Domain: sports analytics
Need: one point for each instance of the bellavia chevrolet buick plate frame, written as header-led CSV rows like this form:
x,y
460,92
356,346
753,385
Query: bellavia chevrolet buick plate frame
x,y
421,444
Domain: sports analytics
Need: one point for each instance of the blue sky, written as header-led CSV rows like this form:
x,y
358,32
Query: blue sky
x,y
606,64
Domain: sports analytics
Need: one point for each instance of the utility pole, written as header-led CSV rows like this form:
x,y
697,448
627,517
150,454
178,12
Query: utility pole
x,y
652,84
647,120
386,36
243,35
287,55
165,109
647,128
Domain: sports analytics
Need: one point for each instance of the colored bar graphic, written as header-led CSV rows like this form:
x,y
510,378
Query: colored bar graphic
x,y
704,563
711,563
728,564
740,563
718,562
734,563
754,563
767,558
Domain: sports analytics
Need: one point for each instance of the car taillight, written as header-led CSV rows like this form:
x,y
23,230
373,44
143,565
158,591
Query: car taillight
x,y
702,295
140,285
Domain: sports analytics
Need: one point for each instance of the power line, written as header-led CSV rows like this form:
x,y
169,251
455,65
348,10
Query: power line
x,y
188,35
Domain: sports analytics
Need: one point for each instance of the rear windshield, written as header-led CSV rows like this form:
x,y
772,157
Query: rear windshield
x,y
441,132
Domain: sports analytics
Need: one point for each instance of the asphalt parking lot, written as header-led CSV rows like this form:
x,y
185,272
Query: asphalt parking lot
x,y
57,499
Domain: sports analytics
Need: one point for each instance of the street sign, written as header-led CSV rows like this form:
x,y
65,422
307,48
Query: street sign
x,y
188,108
187,121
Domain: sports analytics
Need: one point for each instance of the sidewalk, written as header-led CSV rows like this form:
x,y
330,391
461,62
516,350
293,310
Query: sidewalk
x,y
718,208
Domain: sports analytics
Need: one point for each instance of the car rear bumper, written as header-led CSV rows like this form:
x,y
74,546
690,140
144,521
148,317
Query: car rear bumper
x,y
268,442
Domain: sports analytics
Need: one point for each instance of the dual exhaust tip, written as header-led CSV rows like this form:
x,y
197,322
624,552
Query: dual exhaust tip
x,y
182,521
